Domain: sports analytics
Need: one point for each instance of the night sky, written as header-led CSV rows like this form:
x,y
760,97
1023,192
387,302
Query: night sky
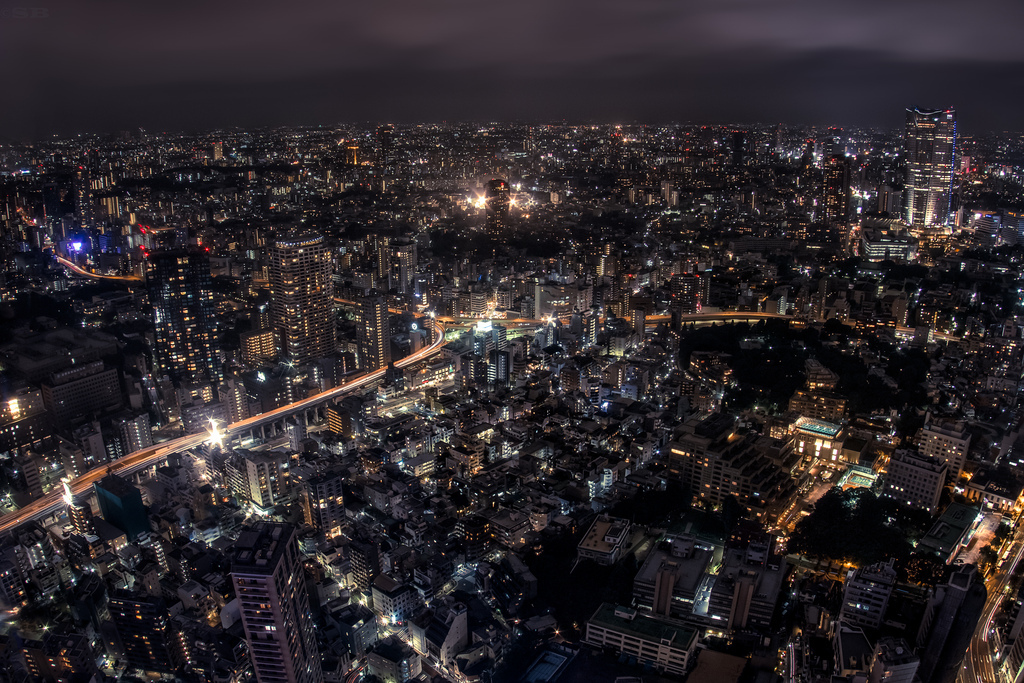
x,y
187,65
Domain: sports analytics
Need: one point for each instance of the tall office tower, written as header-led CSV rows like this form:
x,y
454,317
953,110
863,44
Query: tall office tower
x,y
929,145
181,292
385,150
121,505
374,333
948,624
84,213
151,642
487,336
497,200
301,308
836,196
739,148
271,589
81,390
218,151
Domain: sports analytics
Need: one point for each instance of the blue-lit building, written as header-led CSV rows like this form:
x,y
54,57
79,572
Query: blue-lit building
x,y
121,505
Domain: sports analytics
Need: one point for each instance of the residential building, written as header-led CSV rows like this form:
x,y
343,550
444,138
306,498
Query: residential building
x,y
151,642
947,440
185,322
915,480
270,585
301,303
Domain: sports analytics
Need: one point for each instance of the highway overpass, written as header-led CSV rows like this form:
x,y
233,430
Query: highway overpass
x,y
52,503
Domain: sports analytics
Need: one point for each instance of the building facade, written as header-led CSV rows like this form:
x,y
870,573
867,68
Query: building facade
x,y
184,318
269,583
929,146
301,303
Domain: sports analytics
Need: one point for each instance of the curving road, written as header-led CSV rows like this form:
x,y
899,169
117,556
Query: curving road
x,y
152,455
77,270
978,666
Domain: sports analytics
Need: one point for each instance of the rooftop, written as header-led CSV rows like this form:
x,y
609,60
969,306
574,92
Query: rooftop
x,y
643,626
820,427
259,548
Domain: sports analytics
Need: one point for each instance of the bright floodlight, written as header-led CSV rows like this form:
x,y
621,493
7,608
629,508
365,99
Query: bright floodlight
x,y
216,437
68,496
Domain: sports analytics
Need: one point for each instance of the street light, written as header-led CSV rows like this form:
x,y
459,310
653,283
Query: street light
x,y
216,436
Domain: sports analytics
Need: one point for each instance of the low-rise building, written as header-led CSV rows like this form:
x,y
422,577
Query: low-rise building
x,y
605,540
652,640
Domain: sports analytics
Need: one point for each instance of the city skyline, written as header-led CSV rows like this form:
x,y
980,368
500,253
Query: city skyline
x,y
260,63
451,403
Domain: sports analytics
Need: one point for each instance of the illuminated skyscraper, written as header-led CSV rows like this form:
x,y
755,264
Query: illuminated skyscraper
x,y
181,292
929,146
151,641
497,200
739,148
374,333
271,589
836,195
301,308
84,213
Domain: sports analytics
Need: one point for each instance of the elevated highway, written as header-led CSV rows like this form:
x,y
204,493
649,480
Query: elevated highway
x,y
52,502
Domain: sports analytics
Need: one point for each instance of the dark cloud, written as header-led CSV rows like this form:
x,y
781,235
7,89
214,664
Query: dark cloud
x,y
110,65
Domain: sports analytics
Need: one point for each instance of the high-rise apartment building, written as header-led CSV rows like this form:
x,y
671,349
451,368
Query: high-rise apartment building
x,y
258,346
151,643
85,215
260,478
185,320
135,432
497,199
323,502
374,333
836,196
301,308
267,575
929,145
